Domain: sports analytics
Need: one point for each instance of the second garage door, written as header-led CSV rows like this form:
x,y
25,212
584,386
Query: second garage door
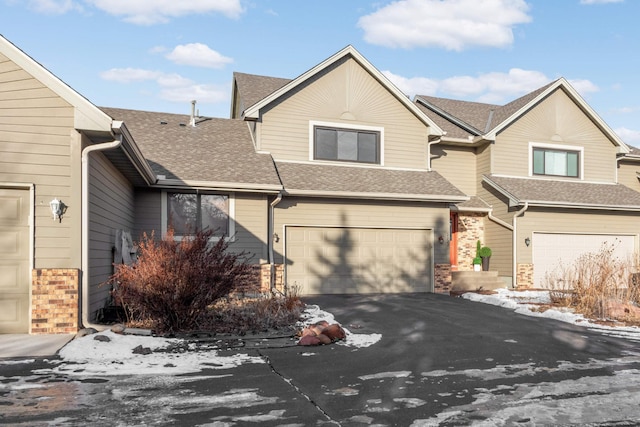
x,y
335,260
553,251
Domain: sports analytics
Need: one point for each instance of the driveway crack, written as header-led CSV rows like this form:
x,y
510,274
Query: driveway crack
x,y
297,389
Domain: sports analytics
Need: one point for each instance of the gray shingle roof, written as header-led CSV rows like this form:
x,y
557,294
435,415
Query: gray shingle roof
x,y
479,117
215,151
303,178
566,193
474,203
253,88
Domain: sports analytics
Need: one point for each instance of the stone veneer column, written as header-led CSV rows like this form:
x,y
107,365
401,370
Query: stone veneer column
x,y
470,230
524,276
442,278
54,301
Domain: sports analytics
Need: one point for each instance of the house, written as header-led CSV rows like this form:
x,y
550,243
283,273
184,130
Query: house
x,y
332,182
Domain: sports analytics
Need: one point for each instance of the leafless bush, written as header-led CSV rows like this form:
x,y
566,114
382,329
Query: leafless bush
x,y
594,282
173,283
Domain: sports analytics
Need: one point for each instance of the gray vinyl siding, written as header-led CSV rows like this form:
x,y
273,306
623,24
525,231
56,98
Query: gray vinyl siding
x,y
628,174
457,165
351,213
251,226
148,213
38,145
558,121
346,94
573,221
498,237
111,208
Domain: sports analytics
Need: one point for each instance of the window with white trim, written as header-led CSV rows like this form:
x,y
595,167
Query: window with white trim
x,y
188,213
346,145
547,161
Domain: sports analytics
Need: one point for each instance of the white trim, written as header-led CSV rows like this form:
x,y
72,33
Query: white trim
x,y
430,230
350,126
557,147
232,213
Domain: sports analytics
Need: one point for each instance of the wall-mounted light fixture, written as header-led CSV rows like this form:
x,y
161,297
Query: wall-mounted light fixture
x,y
527,241
441,240
57,209
276,238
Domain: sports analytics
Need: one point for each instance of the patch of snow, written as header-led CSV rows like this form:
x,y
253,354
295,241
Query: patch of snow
x,y
314,314
527,303
381,375
89,356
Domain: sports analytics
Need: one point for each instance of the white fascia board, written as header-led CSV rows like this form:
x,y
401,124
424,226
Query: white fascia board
x,y
377,196
253,112
86,117
222,186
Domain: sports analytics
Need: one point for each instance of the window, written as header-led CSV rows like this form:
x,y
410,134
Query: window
x,y
188,213
347,145
551,161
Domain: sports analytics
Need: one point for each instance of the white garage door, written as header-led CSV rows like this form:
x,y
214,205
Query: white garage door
x,y
553,251
14,261
336,260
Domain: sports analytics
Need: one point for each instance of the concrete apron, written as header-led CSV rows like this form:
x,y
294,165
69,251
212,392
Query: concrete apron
x,y
25,345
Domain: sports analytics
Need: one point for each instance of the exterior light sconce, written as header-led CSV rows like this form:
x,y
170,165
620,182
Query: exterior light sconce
x,y
276,238
57,209
527,241
441,240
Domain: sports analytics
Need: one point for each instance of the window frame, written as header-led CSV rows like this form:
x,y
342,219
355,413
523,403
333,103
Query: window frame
x,y
557,148
346,127
164,215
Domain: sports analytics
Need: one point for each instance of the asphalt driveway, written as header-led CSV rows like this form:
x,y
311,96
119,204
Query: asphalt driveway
x,y
440,361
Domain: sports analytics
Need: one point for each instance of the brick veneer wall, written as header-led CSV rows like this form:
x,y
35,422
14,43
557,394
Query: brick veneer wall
x,y
470,230
261,281
524,276
442,277
54,301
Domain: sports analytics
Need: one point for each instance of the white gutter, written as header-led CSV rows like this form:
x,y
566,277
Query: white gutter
x,y
429,144
514,239
270,226
85,225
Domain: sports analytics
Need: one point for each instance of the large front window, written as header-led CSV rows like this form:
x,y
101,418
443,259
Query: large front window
x,y
547,161
347,145
188,213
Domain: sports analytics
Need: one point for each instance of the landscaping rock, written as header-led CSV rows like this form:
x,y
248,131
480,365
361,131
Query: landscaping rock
x,y
118,328
142,350
102,338
321,333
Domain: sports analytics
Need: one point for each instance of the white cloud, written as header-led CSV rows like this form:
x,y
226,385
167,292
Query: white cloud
x,y
198,55
498,88
600,1
583,86
631,137
53,7
451,24
128,75
172,87
149,12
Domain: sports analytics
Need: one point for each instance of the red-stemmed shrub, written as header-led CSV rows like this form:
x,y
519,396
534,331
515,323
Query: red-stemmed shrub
x,y
174,282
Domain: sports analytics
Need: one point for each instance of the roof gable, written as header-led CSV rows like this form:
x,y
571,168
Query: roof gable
x,y
253,111
87,116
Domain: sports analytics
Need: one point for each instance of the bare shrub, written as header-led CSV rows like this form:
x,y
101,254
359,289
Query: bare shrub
x,y
594,282
174,282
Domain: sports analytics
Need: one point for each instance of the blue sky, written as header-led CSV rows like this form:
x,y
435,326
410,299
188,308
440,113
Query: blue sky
x,y
158,55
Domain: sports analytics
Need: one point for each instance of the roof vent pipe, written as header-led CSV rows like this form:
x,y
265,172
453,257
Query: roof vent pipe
x,y
192,120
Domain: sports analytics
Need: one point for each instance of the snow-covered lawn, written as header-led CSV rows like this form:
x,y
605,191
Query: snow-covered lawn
x,y
530,302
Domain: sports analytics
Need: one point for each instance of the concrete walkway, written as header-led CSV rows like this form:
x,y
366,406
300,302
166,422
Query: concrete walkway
x,y
25,345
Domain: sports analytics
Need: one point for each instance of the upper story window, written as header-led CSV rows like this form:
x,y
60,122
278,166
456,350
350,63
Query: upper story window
x,y
346,144
187,213
556,161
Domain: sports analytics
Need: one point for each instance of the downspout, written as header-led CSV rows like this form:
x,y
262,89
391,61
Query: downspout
x,y
85,226
515,230
270,236
429,144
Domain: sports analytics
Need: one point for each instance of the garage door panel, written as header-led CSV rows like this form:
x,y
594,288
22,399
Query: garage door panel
x,y
14,260
359,260
554,251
